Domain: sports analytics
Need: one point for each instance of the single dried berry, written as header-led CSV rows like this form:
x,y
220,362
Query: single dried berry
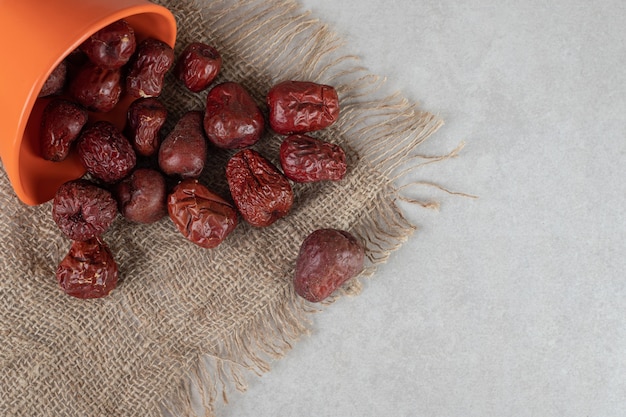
x,y
112,46
301,106
88,270
83,210
200,215
197,66
61,123
232,119
142,196
183,152
96,88
327,259
306,159
55,82
145,118
261,193
148,67
105,152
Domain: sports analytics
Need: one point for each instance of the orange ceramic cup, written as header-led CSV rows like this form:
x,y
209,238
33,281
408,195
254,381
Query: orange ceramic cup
x,y
35,36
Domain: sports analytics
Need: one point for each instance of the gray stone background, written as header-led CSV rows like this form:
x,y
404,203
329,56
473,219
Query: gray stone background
x,y
512,304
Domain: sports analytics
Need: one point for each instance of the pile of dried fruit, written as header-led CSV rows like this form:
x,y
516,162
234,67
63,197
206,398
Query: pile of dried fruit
x,y
111,64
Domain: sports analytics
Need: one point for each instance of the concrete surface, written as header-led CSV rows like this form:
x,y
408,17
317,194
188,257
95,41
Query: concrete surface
x,y
512,304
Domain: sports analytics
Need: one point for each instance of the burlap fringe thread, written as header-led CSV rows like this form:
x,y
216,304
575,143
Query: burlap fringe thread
x,y
382,131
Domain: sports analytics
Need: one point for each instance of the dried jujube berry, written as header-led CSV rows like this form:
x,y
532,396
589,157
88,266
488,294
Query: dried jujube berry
x,y
147,69
232,119
327,259
202,216
306,159
112,46
105,152
183,152
96,88
142,196
88,270
197,66
145,118
61,123
83,210
261,192
301,106
56,81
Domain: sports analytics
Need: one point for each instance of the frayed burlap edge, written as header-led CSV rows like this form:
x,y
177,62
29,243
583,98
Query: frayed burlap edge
x,y
383,131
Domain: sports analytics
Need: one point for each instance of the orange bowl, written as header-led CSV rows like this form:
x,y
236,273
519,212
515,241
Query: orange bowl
x,y
35,36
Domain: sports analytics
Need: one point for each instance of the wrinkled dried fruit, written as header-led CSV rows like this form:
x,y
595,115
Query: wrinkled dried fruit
x,y
96,88
148,67
146,117
260,191
55,82
142,196
105,152
327,259
301,106
232,119
112,46
197,66
61,123
306,159
183,152
83,210
200,215
88,270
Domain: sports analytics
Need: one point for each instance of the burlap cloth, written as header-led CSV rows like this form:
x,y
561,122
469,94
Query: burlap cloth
x,y
185,324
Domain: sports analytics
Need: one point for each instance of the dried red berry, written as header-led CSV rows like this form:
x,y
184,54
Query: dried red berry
x,y
83,210
197,66
142,196
61,123
183,152
148,67
88,270
327,259
96,88
200,215
112,46
146,117
232,119
261,193
56,81
306,159
105,152
301,106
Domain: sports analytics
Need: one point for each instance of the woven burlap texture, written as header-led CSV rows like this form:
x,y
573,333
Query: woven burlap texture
x,y
186,324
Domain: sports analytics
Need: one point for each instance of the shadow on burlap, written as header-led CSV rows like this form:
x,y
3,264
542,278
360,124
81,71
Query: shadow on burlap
x,y
188,320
